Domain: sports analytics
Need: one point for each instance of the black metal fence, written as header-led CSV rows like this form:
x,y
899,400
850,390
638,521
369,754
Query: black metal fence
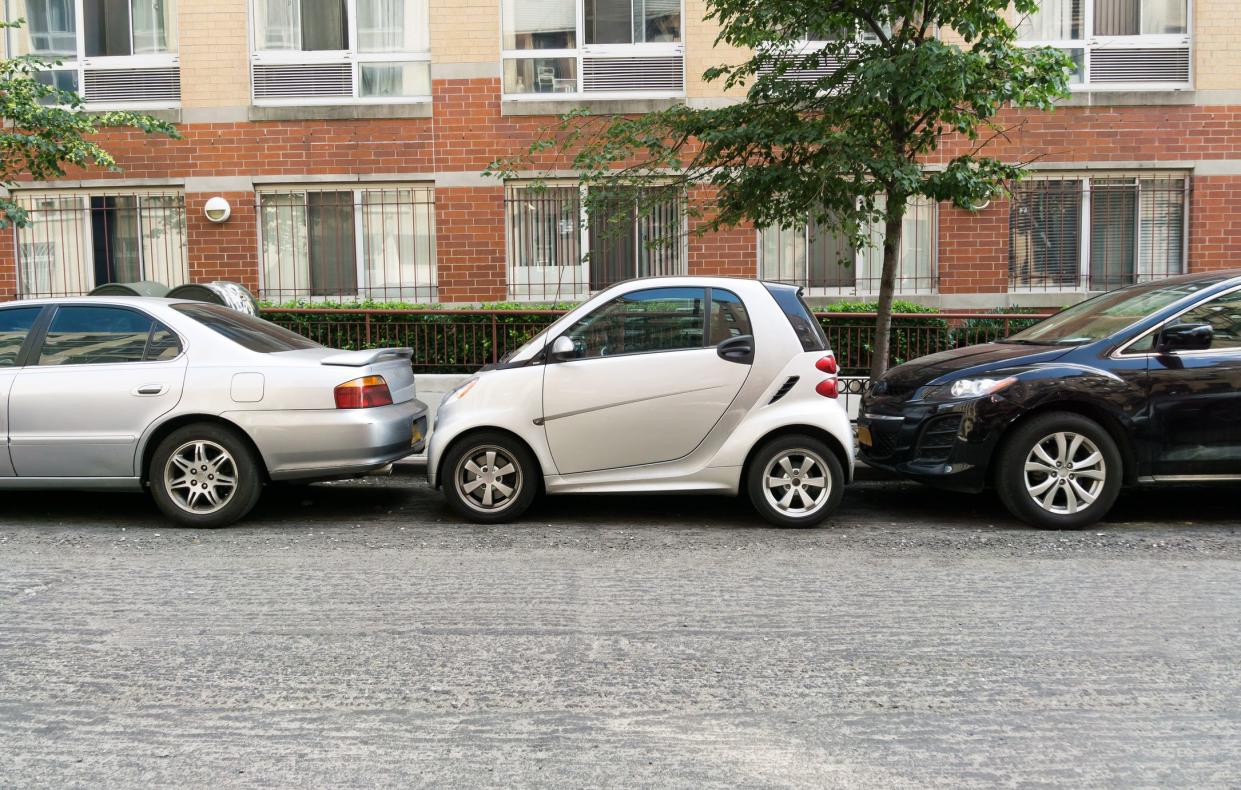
x,y
461,341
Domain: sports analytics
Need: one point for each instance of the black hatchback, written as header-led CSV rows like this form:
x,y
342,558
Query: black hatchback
x,y
1140,385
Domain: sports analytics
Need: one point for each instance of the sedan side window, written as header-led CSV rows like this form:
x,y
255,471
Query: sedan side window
x,y
96,336
729,318
1224,316
15,324
656,319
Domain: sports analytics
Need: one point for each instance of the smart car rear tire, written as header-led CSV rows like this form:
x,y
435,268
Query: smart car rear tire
x,y
205,475
1059,471
489,477
795,481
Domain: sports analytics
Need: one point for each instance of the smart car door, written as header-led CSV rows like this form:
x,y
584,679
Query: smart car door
x,y
100,377
647,379
15,326
1195,397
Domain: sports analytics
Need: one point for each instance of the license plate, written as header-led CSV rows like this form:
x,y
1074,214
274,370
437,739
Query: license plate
x,y
863,436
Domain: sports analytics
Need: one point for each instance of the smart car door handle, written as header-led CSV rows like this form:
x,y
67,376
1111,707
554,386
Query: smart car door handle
x,y
151,389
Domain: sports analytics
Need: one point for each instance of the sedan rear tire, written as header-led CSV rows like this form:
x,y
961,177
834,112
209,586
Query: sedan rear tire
x,y
205,475
1059,471
795,481
490,477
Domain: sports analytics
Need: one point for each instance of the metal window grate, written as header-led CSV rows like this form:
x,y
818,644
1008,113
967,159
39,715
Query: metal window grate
x,y
1096,234
77,241
544,233
818,257
345,244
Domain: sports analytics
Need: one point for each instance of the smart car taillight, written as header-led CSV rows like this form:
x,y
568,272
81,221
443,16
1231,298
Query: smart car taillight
x,y
827,388
828,364
363,393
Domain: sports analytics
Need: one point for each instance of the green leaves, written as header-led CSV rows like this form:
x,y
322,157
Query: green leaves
x,y
45,130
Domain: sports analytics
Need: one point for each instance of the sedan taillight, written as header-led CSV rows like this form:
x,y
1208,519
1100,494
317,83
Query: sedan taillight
x,y
363,393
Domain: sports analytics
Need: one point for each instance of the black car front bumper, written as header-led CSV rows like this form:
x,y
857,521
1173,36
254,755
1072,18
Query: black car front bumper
x,y
947,444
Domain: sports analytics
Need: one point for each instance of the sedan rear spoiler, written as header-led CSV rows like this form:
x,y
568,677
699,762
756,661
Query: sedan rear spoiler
x,y
370,356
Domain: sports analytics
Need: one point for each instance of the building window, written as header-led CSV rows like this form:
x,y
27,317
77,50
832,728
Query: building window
x,y
821,260
114,53
348,244
547,232
329,51
1117,44
601,48
1096,234
76,242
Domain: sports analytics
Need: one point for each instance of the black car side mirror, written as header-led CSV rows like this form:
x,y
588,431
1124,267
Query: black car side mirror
x,y
1184,337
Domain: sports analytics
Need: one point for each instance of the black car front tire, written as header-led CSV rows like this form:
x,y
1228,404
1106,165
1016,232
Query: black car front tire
x,y
1059,470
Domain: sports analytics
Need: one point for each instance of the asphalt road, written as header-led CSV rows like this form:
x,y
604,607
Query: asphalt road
x,y
357,635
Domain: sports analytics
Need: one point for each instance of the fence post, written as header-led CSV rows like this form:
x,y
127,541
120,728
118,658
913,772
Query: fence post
x,y
495,353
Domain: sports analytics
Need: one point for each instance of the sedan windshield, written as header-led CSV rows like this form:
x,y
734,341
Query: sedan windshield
x,y
1105,315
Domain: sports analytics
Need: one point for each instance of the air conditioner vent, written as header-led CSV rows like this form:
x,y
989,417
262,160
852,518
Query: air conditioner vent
x,y
124,86
827,66
1168,64
622,74
303,81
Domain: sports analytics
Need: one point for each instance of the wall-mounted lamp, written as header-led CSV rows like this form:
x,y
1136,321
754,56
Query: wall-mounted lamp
x,y
217,209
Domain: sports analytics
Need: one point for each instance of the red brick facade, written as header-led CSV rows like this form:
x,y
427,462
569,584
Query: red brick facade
x,y
467,131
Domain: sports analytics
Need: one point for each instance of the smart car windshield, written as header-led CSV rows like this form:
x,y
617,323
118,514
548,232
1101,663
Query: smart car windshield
x,y
1105,315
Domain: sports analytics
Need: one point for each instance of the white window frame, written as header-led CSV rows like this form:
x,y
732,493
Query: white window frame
x,y
1084,238
1090,43
585,51
80,64
351,56
359,238
859,258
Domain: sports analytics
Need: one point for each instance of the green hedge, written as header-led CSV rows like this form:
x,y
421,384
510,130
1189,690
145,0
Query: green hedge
x,y
853,339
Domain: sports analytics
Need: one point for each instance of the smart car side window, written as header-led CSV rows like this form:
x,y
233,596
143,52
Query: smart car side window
x,y
1224,316
96,336
15,324
729,318
655,319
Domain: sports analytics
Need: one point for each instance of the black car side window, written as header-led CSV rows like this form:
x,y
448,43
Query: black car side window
x,y
1224,316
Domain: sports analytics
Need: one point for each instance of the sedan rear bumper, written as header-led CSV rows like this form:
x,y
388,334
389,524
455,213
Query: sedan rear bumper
x,y
333,443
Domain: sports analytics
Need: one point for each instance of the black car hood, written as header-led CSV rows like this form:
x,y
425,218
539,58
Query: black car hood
x,y
902,380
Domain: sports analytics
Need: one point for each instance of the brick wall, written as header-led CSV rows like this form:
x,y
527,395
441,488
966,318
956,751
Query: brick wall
x,y
224,251
1215,224
973,249
730,252
8,266
213,48
470,244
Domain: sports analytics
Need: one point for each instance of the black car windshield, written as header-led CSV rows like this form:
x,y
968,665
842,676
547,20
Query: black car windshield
x,y
245,330
1105,315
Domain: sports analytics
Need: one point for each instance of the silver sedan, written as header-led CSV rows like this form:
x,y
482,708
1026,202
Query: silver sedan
x,y
199,403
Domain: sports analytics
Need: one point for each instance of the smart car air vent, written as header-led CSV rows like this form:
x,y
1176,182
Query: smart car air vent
x,y
784,389
938,438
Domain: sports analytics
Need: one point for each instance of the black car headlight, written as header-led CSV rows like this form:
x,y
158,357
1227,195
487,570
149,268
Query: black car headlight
x,y
966,389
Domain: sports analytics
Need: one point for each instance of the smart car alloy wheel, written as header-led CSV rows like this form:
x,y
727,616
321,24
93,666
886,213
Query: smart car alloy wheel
x,y
796,483
1065,472
201,477
487,478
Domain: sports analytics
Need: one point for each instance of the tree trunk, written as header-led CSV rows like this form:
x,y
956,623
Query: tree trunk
x,y
894,217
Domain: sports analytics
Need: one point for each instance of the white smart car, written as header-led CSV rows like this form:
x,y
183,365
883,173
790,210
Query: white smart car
x,y
674,384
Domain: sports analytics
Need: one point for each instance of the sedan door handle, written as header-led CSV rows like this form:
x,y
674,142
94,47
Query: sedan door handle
x,y
148,390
